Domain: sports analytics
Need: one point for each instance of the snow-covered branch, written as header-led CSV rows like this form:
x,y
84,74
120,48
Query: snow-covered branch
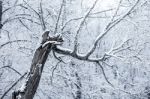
x,y
113,24
81,25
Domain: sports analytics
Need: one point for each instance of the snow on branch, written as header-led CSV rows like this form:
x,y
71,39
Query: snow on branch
x,y
81,25
51,42
108,28
86,57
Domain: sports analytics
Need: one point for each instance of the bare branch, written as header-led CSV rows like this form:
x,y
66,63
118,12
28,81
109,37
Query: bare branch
x,y
31,8
58,58
4,11
54,71
81,25
90,15
115,14
104,74
60,11
24,24
12,69
17,18
114,23
15,41
113,50
41,17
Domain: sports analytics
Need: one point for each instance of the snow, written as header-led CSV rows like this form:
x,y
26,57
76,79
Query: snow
x,y
127,69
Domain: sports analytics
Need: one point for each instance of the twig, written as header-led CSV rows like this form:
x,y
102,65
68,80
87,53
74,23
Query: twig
x,y
15,41
90,15
41,17
31,8
12,69
4,11
115,14
105,74
58,58
60,11
81,25
24,25
53,71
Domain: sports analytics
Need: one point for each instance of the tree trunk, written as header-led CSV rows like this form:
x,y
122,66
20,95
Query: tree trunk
x,y
34,76
28,89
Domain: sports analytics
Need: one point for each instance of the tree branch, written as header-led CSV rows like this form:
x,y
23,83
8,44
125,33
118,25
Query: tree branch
x,y
60,11
80,27
15,41
103,72
113,24
78,18
12,69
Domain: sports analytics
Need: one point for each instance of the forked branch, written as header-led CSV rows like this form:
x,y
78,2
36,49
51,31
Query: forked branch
x,y
111,25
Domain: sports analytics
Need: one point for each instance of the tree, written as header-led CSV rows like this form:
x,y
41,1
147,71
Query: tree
x,y
89,56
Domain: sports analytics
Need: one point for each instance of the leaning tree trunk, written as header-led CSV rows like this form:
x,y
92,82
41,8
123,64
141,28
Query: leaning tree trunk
x,y
28,89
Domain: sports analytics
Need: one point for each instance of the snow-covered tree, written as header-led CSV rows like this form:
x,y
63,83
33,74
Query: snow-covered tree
x,y
96,49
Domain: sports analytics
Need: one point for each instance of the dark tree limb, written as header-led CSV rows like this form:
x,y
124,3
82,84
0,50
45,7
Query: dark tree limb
x,y
28,89
11,69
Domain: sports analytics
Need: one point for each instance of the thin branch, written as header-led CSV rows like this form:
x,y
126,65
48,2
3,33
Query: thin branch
x,y
13,85
114,23
30,20
115,14
54,71
16,18
105,74
119,48
74,19
90,15
60,11
81,25
15,41
12,69
58,58
24,24
41,17
7,9
31,8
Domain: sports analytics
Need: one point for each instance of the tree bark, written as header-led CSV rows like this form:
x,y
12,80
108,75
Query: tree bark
x,y
34,76
28,89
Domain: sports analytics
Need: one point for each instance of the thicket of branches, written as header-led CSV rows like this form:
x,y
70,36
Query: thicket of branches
x,y
103,50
